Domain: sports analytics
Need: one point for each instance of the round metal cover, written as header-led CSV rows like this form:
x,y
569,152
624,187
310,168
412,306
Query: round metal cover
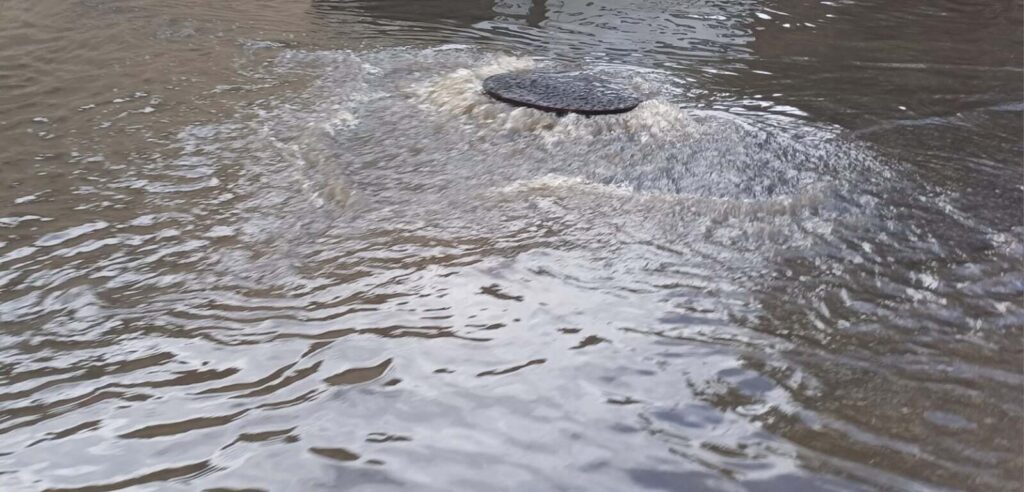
x,y
561,92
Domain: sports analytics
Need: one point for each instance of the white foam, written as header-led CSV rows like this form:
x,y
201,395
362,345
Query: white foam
x,y
460,93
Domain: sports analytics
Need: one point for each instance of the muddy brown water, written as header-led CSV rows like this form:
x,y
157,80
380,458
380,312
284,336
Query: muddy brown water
x,y
289,245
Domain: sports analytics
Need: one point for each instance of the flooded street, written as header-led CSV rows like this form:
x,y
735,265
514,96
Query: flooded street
x,y
291,245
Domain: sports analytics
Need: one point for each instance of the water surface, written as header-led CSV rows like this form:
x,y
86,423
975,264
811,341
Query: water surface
x,y
289,245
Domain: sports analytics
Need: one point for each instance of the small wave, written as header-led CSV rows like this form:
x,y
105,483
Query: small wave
x,y
560,183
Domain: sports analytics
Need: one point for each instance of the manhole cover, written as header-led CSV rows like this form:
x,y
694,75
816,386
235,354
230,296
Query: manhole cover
x,y
561,92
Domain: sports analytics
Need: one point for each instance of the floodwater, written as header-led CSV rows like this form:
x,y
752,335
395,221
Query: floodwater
x,y
289,245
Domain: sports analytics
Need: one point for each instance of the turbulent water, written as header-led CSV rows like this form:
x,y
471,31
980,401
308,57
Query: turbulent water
x,y
284,245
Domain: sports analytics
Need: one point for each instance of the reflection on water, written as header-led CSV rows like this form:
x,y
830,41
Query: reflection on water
x,y
291,246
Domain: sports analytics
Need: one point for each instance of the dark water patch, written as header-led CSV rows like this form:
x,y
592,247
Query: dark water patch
x,y
509,370
359,375
336,454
